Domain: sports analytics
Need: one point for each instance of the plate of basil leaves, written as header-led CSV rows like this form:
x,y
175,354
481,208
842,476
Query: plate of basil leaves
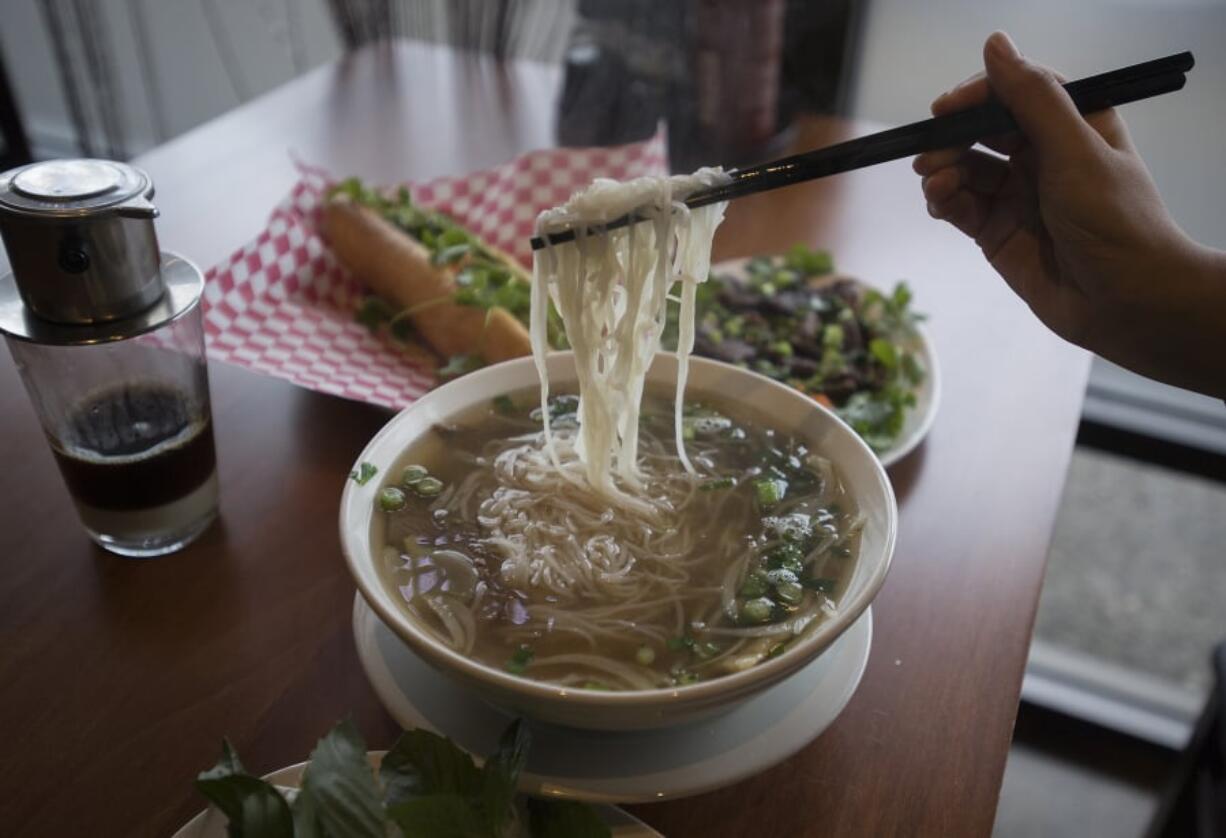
x,y
423,787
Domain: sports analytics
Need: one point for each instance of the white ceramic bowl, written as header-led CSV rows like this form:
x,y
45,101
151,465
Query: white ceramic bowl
x,y
788,410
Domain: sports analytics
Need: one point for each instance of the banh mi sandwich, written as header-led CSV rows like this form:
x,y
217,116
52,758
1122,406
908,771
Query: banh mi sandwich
x,y
432,278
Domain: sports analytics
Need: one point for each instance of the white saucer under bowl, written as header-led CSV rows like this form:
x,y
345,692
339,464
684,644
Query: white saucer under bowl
x,y
623,766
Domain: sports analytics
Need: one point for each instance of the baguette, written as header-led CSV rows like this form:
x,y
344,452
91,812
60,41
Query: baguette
x,y
399,269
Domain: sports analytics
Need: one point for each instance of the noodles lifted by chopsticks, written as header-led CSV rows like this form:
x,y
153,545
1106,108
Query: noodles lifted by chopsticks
x,y
611,290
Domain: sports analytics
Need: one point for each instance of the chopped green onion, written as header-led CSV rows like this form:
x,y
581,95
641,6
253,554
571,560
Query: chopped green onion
x,y
362,474
705,651
683,677
756,584
594,685
757,610
718,483
428,487
770,491
794,527
790,592
520,659
678,644
782,576
777,650
782,347
391,499
786,556
504,405
414,474
645,655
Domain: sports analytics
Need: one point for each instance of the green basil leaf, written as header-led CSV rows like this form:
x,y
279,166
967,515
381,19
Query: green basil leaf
x,y
500,775
253,807
564,819
438,816
424,763
338,778
306,817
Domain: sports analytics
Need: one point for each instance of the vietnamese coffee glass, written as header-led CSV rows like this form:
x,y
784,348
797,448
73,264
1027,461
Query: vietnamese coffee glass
x,y
107,333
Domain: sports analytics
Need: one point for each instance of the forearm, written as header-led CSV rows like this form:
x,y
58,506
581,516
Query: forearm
x,y
1177,332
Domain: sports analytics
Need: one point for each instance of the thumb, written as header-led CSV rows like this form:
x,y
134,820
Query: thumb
x,y
1042,108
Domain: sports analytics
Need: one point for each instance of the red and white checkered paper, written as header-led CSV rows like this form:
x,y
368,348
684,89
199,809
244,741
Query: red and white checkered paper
x,y
283,305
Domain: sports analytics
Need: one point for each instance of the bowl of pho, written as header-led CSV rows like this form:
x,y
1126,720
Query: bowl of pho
x,y
614,537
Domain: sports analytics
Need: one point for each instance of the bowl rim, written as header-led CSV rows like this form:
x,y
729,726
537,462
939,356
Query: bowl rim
x,y
423,643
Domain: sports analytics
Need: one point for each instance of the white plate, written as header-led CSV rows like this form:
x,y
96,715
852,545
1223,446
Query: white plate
x,y
212,824
919,419
623,766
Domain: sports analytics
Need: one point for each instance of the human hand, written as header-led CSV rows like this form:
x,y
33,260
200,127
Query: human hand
x,y
1072,220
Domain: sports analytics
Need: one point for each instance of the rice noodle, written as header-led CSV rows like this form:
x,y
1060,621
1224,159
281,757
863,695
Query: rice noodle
x,y
611,290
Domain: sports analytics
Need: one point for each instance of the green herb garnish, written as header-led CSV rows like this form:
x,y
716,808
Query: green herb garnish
x,y
520,659
483,279
428,487
758,610
678,644
425,787
362,474
755,585
769,491
391,499
413,475
785,318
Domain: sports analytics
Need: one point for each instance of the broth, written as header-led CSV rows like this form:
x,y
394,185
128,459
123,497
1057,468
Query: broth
x,y
508,556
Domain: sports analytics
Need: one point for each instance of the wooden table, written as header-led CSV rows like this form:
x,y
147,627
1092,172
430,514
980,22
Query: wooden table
x,y
121,677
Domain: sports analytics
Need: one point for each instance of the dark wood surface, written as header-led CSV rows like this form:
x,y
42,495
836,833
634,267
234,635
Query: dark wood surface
x,y
120,677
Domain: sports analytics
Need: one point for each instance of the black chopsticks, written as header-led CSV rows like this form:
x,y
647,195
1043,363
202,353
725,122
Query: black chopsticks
x,y
1094,93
